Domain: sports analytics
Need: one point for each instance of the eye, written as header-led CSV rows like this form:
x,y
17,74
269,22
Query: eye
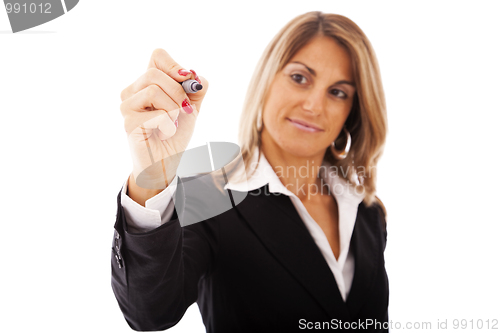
x,y
338,93
300,79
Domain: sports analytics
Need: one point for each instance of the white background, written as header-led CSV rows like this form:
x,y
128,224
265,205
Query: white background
x,y
64,153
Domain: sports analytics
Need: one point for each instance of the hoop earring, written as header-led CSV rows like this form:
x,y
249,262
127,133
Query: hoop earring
x,y
340,155
259,121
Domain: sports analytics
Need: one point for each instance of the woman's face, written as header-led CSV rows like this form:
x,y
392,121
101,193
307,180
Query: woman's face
x,y
309,100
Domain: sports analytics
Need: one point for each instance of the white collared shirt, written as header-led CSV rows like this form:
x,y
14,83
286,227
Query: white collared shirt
x,y
159,209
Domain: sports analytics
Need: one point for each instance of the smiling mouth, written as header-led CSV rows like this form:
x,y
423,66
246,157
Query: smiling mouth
x,y
304,127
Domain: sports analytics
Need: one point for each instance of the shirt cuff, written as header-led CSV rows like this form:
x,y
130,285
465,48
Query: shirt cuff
x,y
159,209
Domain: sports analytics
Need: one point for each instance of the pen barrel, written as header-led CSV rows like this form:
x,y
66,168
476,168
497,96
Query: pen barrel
x,y
190,86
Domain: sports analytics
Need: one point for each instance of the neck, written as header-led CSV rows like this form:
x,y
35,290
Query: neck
x,y
299,174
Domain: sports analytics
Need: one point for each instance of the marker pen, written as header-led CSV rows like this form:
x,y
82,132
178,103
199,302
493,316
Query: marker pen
x,y
191,86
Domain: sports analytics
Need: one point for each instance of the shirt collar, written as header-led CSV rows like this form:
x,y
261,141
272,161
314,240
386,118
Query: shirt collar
x,y
264,174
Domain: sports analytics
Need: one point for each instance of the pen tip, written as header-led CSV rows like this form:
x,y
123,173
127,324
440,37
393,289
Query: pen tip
x,y
199,87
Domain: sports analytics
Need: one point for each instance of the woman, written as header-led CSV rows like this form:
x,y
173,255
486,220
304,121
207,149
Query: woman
x,y
305,248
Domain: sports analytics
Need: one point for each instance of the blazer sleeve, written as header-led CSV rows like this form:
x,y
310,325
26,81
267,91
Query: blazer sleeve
x,y
155,274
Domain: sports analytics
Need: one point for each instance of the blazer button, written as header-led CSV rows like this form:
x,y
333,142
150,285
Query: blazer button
x,y
118,262
118,257
117,241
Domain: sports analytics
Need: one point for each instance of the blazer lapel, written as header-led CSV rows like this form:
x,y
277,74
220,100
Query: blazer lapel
x,y
276,222
367,253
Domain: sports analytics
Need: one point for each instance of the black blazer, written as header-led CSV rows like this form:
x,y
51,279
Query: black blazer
x,y
254,268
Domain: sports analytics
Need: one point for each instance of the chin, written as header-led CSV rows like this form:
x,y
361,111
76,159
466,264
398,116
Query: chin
x,y
297,148
293,143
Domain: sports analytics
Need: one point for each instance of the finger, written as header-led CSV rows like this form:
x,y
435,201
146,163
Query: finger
x,y
151,97
147,123
171,87
155,76
161,60
135,109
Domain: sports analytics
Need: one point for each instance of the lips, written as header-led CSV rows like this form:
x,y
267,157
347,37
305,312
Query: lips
x,y
304,125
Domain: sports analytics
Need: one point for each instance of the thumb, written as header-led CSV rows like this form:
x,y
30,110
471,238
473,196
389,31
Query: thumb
x,y
198,97
165,124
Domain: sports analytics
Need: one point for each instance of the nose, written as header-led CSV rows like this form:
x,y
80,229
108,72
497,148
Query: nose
x,y
314,102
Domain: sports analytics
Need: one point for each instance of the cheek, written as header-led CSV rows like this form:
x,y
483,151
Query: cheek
x,y
275,104
338,116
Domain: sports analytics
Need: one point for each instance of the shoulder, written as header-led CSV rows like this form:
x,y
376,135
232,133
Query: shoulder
x,y
375,212
378,206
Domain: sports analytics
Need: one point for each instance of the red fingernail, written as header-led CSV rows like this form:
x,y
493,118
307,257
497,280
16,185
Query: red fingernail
x,y
196,76
186,106
183,72
176,122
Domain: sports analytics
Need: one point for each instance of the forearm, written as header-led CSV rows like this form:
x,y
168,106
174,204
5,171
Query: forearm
x,y
155,278
149,285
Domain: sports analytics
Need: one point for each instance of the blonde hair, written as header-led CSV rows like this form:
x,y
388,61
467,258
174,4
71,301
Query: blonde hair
x,y
367,121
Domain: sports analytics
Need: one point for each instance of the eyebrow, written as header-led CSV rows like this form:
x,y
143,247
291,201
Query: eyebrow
x,y
314,74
